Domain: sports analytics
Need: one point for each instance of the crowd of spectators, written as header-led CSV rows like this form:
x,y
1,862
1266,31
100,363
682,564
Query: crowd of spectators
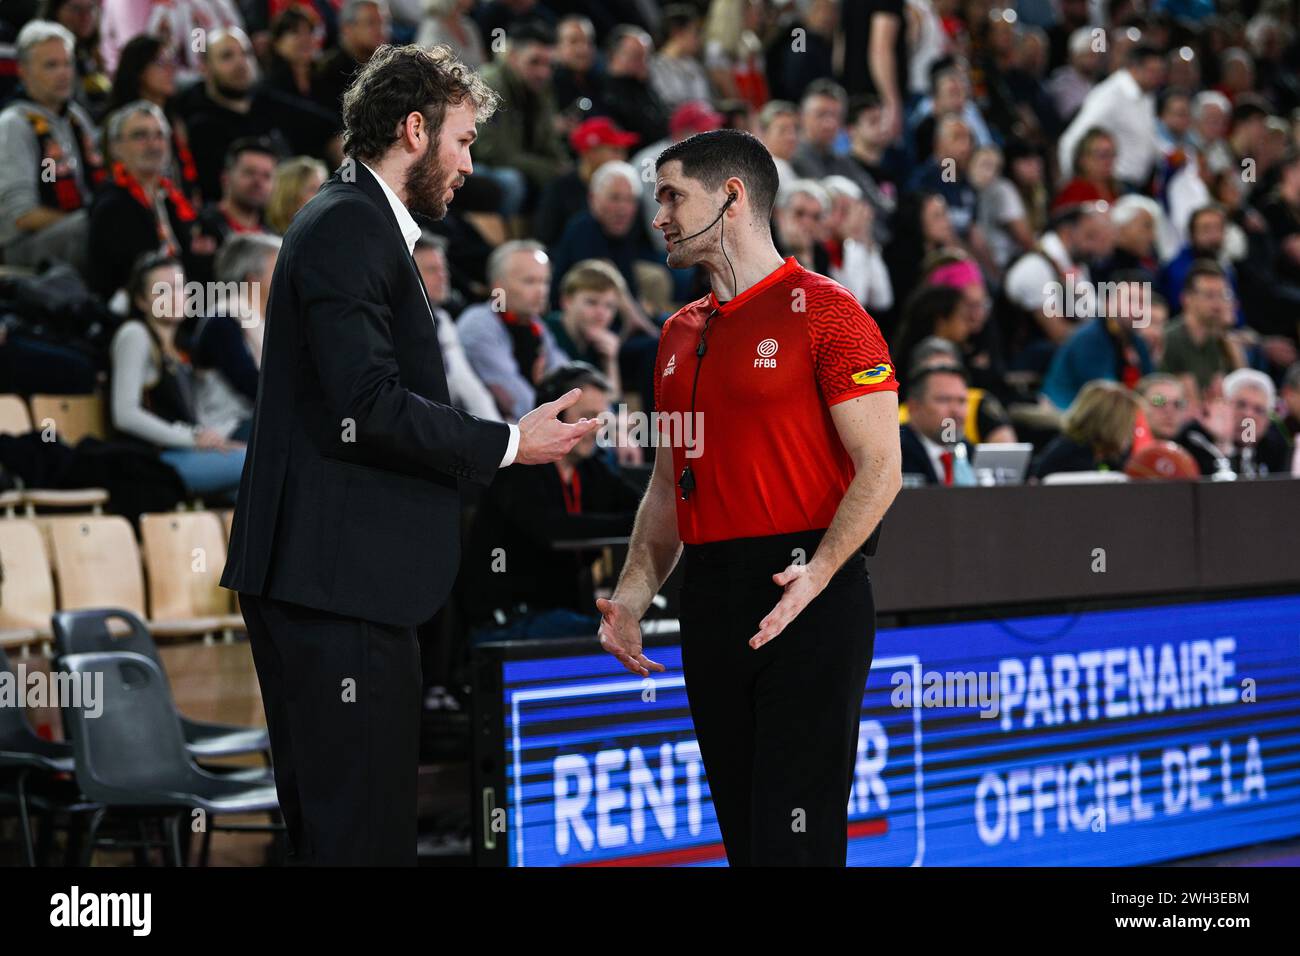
x,y
1077,223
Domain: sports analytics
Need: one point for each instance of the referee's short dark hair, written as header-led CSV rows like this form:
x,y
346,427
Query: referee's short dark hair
x,y
570,375
716,156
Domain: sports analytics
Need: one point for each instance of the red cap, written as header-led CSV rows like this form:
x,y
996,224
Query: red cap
x,y
599,131
696,116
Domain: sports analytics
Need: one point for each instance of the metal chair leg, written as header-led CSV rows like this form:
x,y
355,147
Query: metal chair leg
x,y
24,819
92,834
172,825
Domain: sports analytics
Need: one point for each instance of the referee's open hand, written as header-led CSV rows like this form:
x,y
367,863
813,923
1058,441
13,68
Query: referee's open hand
x,y
802,583
620,634
544,438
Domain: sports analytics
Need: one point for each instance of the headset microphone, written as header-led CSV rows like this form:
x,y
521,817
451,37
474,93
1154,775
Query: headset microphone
x,y
730,199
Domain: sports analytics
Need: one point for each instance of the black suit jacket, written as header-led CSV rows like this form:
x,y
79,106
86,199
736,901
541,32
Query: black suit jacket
x,y
916,461
350,500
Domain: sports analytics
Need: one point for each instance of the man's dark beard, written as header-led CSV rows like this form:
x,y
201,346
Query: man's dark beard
x,y
426,181
232,93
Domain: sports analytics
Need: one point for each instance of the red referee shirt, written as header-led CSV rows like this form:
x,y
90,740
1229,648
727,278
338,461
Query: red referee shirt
x,y
765,453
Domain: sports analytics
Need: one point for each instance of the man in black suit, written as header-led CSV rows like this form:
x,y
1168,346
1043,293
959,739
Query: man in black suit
x,y
936,424
347,530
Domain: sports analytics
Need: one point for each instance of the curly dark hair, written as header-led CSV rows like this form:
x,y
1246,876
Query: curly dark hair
x,y
400,80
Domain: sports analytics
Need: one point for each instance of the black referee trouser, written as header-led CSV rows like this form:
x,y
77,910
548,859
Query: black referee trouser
x,y
777,726
342,701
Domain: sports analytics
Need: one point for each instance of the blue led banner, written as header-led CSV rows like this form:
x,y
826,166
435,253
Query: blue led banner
x,y
1098,738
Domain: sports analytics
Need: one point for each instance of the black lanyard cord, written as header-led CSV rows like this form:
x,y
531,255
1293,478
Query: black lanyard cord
x,y
687,480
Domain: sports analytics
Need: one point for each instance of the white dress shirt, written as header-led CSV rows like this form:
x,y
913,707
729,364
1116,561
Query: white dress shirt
x,y
411,233
1118,105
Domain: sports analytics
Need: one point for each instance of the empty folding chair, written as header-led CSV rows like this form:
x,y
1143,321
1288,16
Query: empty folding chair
x,y
24,756
26,586
72,417
184,555
132,755
97,564
14,419
81,632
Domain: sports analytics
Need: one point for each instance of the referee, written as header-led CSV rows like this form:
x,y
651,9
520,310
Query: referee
x,y
773,508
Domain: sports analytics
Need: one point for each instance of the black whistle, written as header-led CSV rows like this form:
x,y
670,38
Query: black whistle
x,y
686,482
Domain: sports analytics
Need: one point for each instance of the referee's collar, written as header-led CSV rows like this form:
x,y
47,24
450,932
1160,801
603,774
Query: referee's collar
x,y
771,279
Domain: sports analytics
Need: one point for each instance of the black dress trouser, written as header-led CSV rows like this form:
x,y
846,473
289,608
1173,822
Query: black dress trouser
x,y
342,701
777,726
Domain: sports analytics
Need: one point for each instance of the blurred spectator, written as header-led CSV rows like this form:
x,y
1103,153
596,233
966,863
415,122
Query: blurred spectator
x,y
466,388
877,27
798,223
801,50
1094,171
582,328
1281,213
1124,105
945,173
498,334
627,96
1136,220
1070,84
921,227
81,18
986,419
1072,17
610,228
145,71
733,50
1290,416
230,106
928,44
527,509
246,184
1196,343
1207,229
999,210
1174,121
49,163
225,347
296,180
933,440
981,349
175,22
1039,282
869,166
676,73
778,128
821,119
1096,432
500,18
1105,347
949,96
364,26
1242,436
520,147
140,210
577,74
296,35
152,398
854,255
1165,404
449,22
596,141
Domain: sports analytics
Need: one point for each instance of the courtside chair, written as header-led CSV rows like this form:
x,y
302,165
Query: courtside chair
x,y
97,565
110,630
74,416
26,585
132,757
184,555
25,757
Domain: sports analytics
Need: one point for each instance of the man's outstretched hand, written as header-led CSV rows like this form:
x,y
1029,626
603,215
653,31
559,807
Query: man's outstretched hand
x,y
544,438
620,634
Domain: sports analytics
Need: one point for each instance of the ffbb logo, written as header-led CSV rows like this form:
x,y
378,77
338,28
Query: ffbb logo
x,y
766,351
